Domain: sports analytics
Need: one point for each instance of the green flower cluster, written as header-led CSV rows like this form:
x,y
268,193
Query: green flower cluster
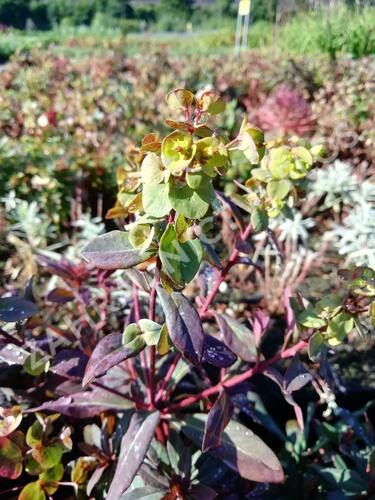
x,y
173,177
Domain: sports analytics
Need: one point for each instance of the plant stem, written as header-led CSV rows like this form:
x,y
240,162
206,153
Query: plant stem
x,y
231,262
151,315
237,379
167,378
203,310
137,315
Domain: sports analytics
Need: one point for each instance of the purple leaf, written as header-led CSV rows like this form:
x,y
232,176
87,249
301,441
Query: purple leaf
x,y
290,314
296,376
60,295
69,362
217,354
108,353
94,479
199,491
260,324
134,446
240,449
113,251
85,404
237,337
217,419
184,325
16,309
61,268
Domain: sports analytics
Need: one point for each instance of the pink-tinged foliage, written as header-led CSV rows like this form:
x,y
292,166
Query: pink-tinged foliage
x,y
285,112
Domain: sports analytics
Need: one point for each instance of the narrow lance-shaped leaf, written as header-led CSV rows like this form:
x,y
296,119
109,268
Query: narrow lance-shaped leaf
x,y
260,324
16,309
85,404
134,446
237,337
184,325
108,353
217,419
113,251
240,449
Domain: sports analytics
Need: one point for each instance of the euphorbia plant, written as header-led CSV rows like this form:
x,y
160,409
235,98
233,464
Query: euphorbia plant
x,y
175,205
171,237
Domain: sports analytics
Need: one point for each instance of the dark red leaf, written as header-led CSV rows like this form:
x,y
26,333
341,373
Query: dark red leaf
x,y
16,309
108,353
184,325
60,295
113,251
240,449
260,324
85,404
217,354
237,337
70,362
134,446
217,420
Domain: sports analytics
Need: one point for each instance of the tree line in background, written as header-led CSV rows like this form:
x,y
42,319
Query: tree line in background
x,y
167,14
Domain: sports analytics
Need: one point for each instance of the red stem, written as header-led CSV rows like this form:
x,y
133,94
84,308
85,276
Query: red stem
x,y
237,379
203,310
137,314
152,307
231,262
167,378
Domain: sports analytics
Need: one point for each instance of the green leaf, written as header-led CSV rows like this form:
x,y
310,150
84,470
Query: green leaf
x,y
259,219
278,190
35,364
10,459
130,333
240,449
114,251
32,491
152,170
151,331
34,435
339,327
280,162
194,179
310,319
155,200
139,234
187,202
48,456
180,261
51,477
317,348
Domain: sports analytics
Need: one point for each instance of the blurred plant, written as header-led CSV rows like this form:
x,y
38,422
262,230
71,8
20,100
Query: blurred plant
x,y
285,112
340,187
294,229
28,222
355,236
